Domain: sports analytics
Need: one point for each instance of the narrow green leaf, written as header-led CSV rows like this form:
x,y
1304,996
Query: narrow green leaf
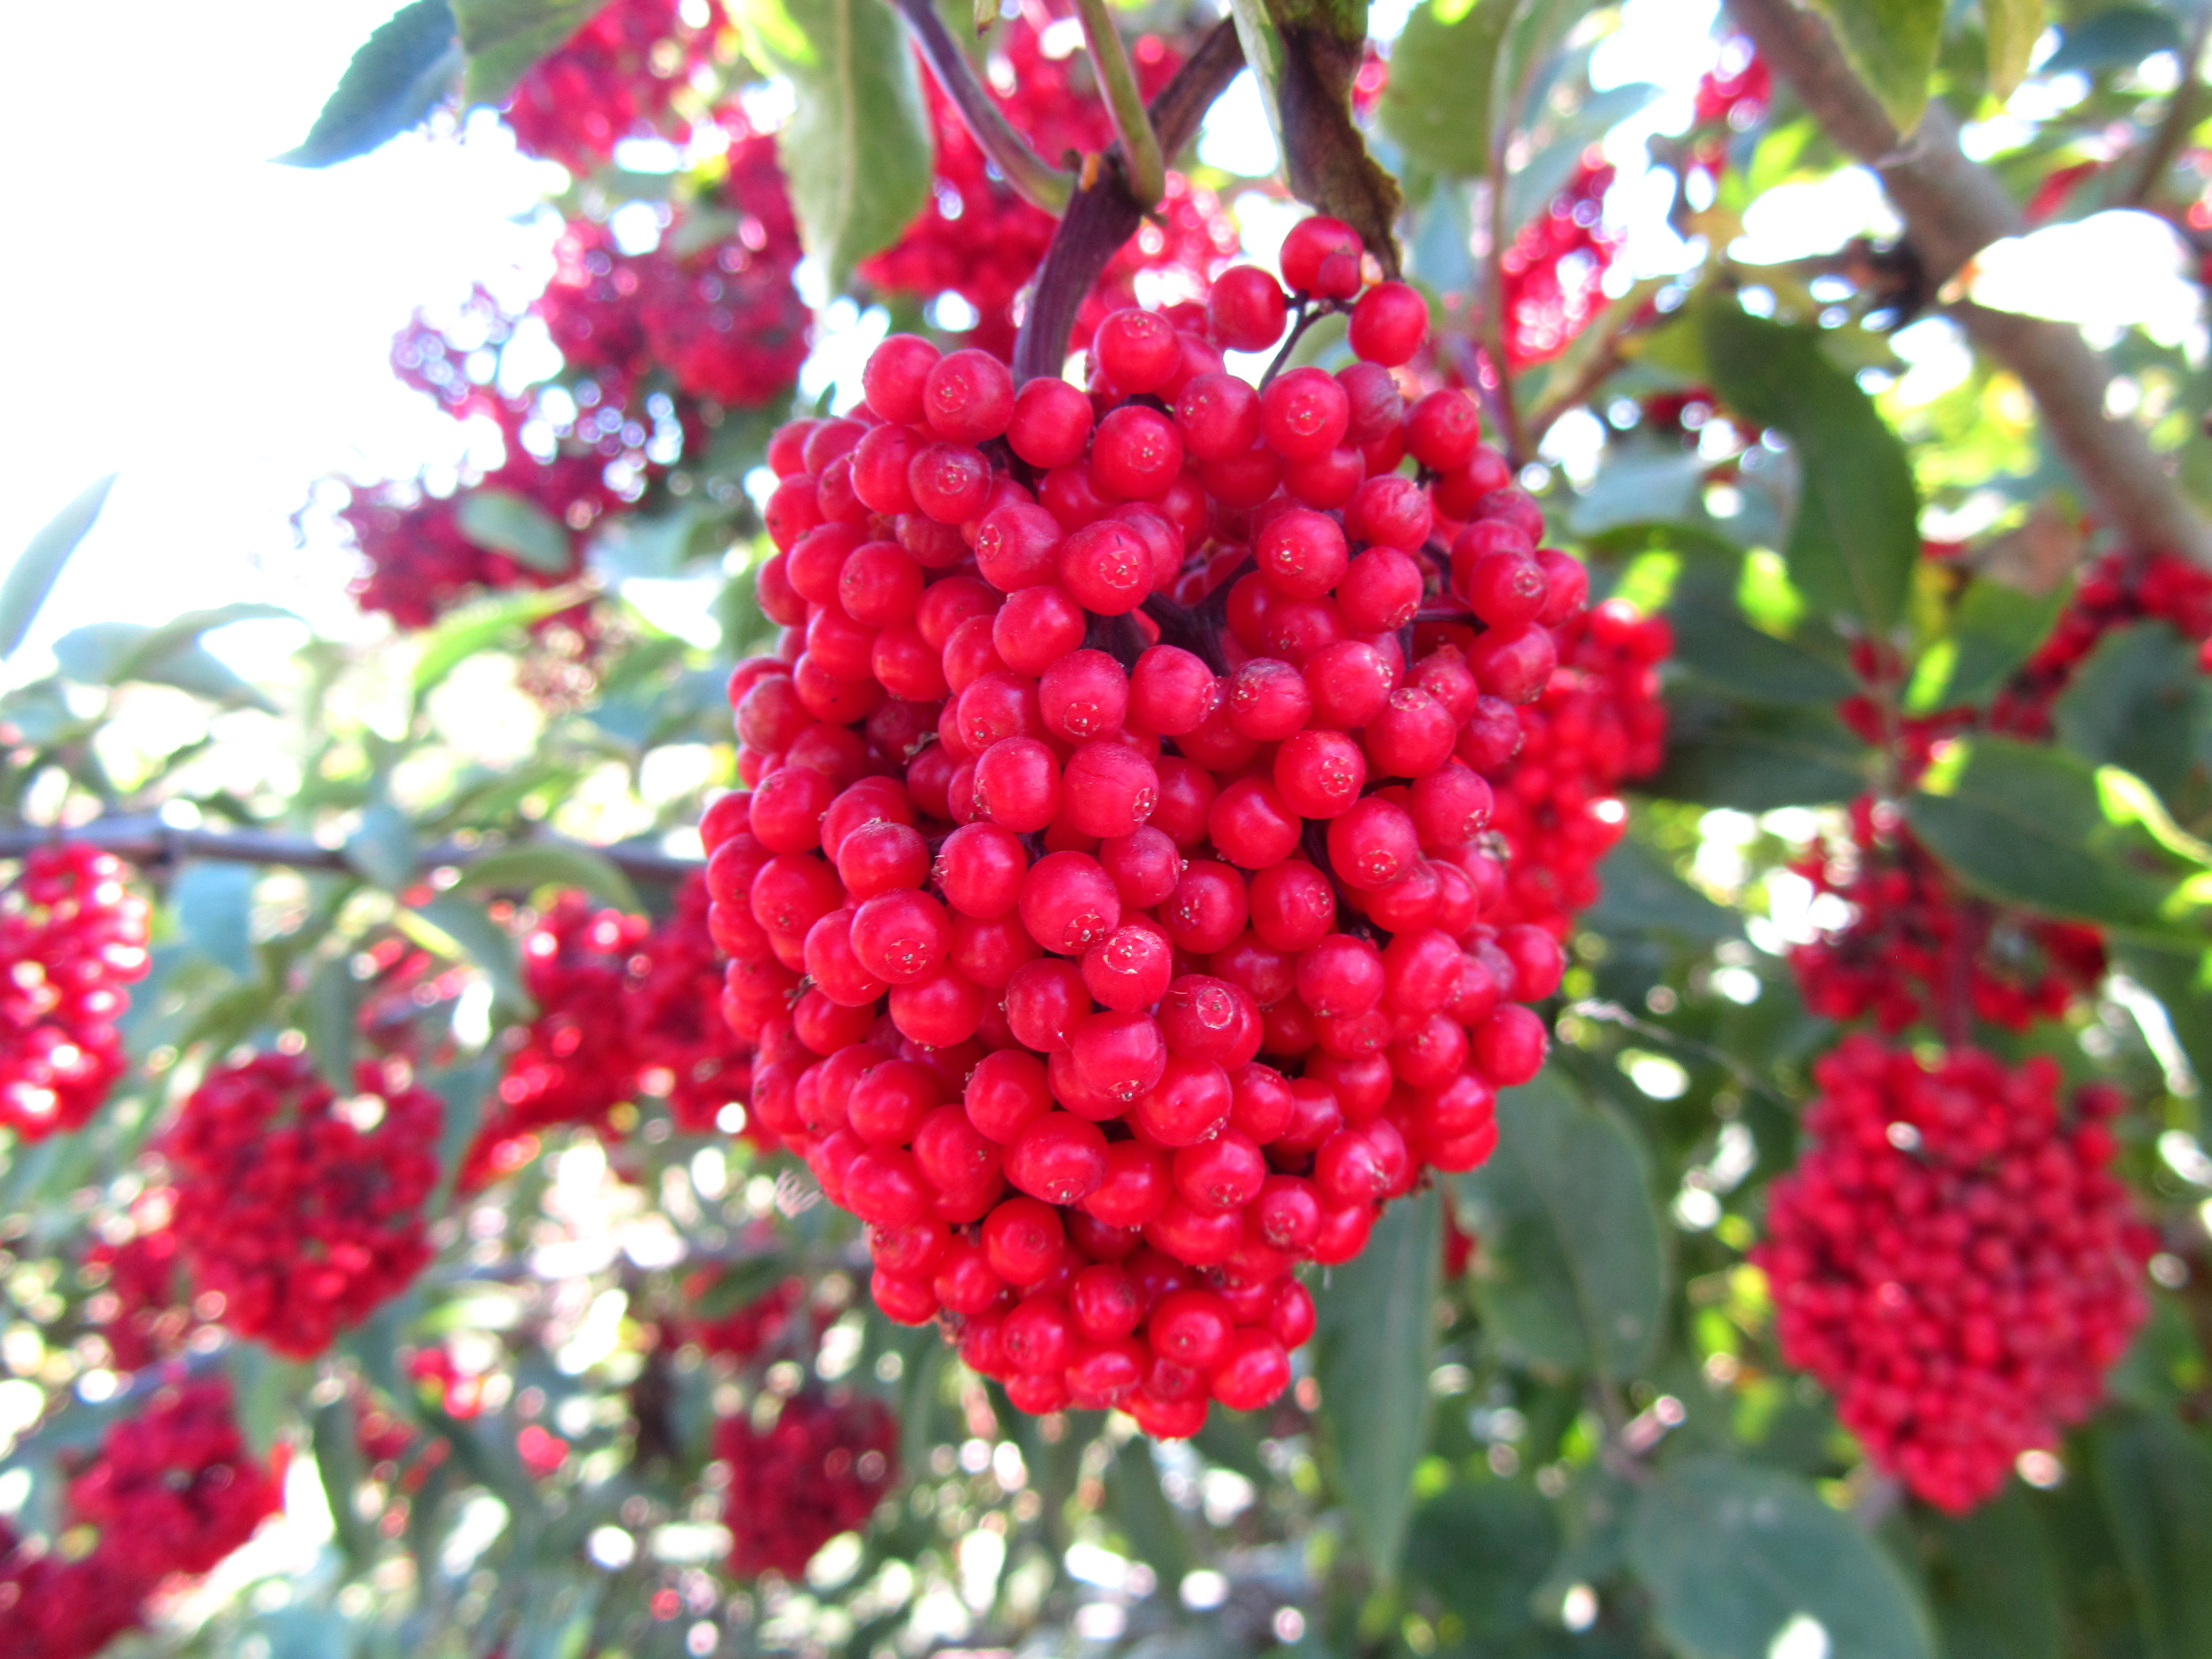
x,y
529,867
2138,702
328,1012
339,1464
1724,753
464,1090
1373,1348
265,1390
2023,824
517,526
382,847
402,71
466,929
1991,1585
2154,1479
478,628
1855,540
23,590
1143,1513
1436,108
504,38
1734,1556
1559,1289
2013,28
1893,44
1997,628
857,149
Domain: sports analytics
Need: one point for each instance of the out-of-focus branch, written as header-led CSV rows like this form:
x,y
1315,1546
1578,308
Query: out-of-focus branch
x,y
1954,207
2182,110
149,841
1035,181
1105,213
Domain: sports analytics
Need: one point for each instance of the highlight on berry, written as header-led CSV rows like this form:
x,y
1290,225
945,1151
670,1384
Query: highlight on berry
x,y
1152,833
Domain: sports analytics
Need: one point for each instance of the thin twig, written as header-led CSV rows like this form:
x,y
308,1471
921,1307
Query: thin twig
x,y
149,841
1125,102
1952,208
2180,116
1035,181
1493,315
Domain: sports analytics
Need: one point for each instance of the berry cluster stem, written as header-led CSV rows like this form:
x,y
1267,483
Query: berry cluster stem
x,y
1035,181
1132,123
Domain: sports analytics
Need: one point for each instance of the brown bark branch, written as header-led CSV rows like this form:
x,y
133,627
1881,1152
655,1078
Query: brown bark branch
x,y
1104,215
1954,207
1035,181
148,841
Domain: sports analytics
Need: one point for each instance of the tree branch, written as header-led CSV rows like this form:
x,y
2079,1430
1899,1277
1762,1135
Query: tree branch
x,y
1035,181
1952,208
149,841
1104,215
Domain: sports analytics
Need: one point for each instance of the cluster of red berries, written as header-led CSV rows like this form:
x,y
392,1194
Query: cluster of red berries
x,y
979,239
1554,272
1916,949
1736,92
171,1490
1952,1257
302,1212
616,77
1111,748
624,1005
747,1332
72,936
818,1469
2119,589
135,1306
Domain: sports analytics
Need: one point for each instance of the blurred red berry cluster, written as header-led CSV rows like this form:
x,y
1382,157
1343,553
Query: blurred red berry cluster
x,y
2120,588
1554,272
619,76
818,1468
1952,1256
72,936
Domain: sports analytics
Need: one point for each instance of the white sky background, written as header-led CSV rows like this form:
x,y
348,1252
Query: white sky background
x,y
216,327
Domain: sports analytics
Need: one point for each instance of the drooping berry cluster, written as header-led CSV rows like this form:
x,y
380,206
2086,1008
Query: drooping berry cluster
x,y
72,936
1917,949
1952,1257
575,1061
1554,271
302,1212
685,1050
617,77
977,238
171,1491
1111,748
137,1308
818,1469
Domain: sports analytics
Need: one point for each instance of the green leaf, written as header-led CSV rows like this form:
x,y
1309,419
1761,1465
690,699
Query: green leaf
x,y
1141,1510
464,1090
23,590
112,654
464,928
1559,1290
2138,702
2013,28
1373,1348
504,39
1995,631
1483,1547
328,1012
264,1389
857,149
213,904
1893,44
1734,1556
478,628
1854,542
517,526
1992,1586
526,868
1436,108
1714,642
1729,754
2154,1479
401,72
2023,824
382,847
1640,894
2114,37
338,1462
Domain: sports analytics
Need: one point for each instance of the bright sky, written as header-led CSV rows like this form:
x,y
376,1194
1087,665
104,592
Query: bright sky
x,y
216,327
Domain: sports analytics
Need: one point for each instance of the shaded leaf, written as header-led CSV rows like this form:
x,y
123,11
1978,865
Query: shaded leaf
x,y
1483,1548
1713,641
1436,106
2023,824
264,1388
1991,1587
1855,541
23,590
2139,702
213,904
1559,1290
1735,1555
1727,754
1995,631
2154,1480
1373,1347
516,525
1637,893
857,149
1140,1508
2115,36
1893,44
529,867
382,846
504,38
328,1013
405,67
2013,28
